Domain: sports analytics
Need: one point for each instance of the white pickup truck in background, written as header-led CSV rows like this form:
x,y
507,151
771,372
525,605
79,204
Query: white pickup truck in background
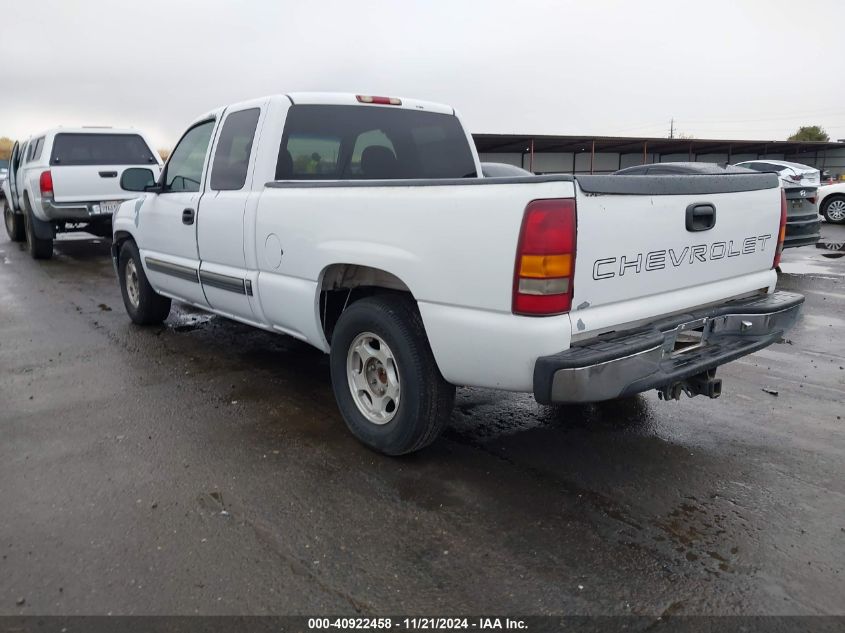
x,y
362,225
68,179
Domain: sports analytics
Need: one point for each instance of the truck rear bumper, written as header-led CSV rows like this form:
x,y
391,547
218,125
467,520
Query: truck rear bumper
x,y
802,231
666,352
73,211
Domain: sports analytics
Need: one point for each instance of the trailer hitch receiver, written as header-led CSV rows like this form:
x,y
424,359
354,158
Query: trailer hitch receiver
x,y
705,384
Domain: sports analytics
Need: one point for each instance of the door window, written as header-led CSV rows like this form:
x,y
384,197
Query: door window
x,y
231,158
16,157
184,170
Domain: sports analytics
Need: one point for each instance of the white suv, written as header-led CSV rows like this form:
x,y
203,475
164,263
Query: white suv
x,y
69,179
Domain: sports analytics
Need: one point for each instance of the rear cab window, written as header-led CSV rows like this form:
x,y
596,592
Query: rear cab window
x,y
339,142
70,148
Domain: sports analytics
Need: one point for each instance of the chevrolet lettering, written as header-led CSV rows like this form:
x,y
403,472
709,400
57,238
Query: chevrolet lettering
x,y
609,267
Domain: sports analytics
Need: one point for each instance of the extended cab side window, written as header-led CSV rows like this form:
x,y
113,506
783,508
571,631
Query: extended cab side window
x,y
39,145
231,158
184,170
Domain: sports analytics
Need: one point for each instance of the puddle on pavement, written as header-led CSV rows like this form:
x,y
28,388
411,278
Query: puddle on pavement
x,y
815,261
483,416
188,322
831,250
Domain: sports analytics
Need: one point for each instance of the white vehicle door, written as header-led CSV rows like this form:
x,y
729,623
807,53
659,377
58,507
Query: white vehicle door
x,y
220,223
12,176
167,220
20,172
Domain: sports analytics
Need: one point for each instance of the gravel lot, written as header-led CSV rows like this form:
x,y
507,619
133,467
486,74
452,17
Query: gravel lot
x,y
201,467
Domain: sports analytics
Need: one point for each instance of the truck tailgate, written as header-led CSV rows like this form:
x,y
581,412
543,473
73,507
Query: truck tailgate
x,y
92,183
651,245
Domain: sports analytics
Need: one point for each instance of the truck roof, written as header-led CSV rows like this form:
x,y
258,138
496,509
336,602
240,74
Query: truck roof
x,y
348,98
93,129
330,98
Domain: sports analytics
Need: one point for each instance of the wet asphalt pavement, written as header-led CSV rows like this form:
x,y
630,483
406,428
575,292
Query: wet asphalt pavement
x,y
202,467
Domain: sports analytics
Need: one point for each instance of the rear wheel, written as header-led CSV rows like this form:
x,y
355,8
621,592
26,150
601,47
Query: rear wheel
x,y
143,304
833,209
38,247
14,224
386,383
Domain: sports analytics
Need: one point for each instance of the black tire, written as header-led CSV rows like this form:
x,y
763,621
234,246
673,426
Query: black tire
x,y
826,209
14,223
151,308
425,400
39,248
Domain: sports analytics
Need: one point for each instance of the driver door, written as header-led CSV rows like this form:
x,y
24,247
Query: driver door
x,y
167,220
12,177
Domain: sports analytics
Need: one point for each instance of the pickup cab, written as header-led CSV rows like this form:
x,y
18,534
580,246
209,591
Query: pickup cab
x,y
364,226
68,179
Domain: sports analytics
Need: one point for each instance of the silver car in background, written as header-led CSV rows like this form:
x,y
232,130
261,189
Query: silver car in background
x,y
791,174
800,184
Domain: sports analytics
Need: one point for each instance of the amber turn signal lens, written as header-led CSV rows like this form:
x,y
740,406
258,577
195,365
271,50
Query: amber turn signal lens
x,y
545,266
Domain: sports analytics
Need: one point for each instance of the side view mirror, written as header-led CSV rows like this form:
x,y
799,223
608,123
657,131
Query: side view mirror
x,y
137,179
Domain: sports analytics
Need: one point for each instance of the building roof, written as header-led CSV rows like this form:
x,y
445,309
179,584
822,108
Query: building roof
x,y
506,143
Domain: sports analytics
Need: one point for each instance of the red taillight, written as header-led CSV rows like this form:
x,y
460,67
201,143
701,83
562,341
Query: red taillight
x,y
545,258
378,100
46,183
781,230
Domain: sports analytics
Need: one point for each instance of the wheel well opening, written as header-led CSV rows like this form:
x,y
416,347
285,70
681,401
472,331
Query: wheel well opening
x,y
120,237
344,284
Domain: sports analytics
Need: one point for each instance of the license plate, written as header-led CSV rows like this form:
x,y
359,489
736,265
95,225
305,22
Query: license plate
x,y
109,207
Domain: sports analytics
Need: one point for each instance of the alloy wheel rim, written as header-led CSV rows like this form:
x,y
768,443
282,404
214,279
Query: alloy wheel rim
x,y
132,289
373,377
836,210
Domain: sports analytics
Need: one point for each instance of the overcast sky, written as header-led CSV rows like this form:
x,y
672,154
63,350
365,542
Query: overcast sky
x,y
743,69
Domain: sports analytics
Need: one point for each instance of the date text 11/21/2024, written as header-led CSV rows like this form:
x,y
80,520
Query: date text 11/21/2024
x,y
418,623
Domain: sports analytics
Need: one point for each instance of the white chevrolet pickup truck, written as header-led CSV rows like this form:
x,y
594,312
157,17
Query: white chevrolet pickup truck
x,y
361,225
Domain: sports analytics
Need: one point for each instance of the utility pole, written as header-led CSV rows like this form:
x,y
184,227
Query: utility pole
x,y
672,128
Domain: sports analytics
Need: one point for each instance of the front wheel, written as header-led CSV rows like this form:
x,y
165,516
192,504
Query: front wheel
x,y
386,383
143,304
833,209
14,224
